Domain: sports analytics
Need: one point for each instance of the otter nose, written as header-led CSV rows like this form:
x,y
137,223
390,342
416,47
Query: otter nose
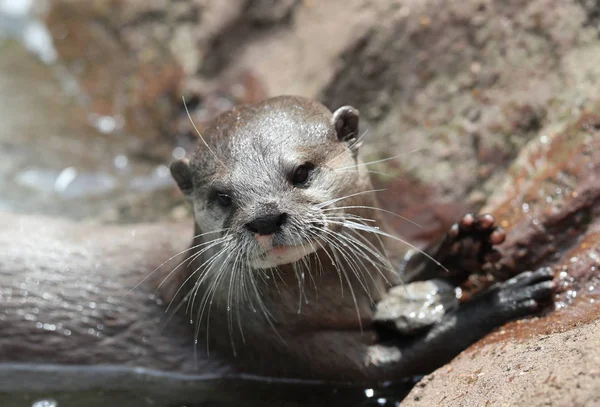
x,y
267,224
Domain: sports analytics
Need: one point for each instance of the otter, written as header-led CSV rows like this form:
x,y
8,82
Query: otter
x,y
289,258
291,255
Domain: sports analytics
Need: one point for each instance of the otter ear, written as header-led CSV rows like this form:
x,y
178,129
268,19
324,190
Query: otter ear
x,y
345,122
182,174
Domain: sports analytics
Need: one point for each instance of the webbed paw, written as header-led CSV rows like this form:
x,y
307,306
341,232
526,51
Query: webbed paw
x,y
464,250
522,294
473,239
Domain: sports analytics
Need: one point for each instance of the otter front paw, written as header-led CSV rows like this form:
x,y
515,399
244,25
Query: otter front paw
x,y
521,295
473,239
468,245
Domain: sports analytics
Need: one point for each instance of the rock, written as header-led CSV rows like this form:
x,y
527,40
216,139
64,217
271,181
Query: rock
x,y
559,370
550,206
119,74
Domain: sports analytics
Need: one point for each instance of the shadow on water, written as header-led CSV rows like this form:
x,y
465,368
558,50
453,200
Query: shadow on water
x,y
96,386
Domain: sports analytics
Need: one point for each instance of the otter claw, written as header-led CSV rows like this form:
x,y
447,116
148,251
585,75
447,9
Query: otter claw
x,y
468,245
473,237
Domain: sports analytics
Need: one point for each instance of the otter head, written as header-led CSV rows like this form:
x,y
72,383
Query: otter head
x,y
269,181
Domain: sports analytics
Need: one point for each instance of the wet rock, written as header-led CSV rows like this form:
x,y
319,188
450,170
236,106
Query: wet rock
x,y
52,161
120,75
444,85
560,369
550,201
550,207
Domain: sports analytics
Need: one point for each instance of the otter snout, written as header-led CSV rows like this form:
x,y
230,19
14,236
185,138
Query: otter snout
x,y
267,224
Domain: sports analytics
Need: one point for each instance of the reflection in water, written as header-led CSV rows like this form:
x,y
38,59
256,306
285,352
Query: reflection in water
x,y
18,20
67,183
45,403
58,157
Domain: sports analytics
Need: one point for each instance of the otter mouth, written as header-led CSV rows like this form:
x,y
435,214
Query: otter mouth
x,y
279,250
278,255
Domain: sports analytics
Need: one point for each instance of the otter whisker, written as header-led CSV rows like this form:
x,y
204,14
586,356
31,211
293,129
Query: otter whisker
x,y
380,255
186,297
209,233
266,314
208,298
171,258
272,271
193,257
385,174
375,230
206,267
332,201
279,272
234,283
380,161
364,250
300,279
306,237
355,144
383,248
375,209
332,239
207,274
298,239
351,261
196,255
192,293
349,217
353,296
198,131
238,271
334,264
377,261
374,250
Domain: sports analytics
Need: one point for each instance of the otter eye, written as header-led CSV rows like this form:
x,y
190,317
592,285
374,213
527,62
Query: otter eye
x,y
223,199
301,173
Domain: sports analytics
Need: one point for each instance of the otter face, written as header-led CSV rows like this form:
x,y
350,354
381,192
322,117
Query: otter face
x,y
267,179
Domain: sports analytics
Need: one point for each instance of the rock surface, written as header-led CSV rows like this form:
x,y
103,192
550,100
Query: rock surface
x,y
550,206
551,370
455,90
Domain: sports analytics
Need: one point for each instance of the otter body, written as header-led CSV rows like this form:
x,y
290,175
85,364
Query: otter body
x,y
293,256
279,179
289,258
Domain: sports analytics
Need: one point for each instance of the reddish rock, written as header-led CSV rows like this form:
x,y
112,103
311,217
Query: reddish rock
x,y
550,207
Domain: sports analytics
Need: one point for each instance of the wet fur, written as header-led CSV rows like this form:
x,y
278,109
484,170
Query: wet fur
x,y
98,282
312,318
298,313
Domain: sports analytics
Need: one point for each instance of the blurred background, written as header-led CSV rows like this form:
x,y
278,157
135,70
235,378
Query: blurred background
x,y
90,92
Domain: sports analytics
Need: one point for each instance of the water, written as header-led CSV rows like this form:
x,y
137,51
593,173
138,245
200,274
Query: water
x,y
104,385
59,158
